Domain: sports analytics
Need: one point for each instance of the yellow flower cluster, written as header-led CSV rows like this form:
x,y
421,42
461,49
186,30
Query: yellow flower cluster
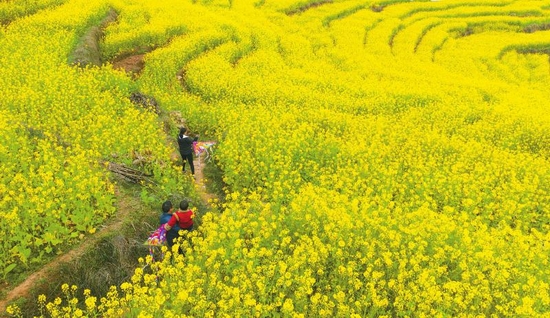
x,y
378,160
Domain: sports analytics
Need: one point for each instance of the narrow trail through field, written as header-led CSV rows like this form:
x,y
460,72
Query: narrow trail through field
x,y
200,182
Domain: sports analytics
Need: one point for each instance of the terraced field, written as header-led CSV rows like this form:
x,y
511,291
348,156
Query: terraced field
x,y
380,159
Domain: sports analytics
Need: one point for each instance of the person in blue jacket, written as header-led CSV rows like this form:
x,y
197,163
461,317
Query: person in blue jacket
x,y
166,215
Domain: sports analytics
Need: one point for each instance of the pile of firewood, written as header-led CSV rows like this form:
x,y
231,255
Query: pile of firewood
x,y
129,174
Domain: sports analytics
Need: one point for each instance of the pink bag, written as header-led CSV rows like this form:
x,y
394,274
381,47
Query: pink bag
x,y
158,238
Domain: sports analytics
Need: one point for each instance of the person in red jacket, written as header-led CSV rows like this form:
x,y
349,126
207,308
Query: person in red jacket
x,y
182,217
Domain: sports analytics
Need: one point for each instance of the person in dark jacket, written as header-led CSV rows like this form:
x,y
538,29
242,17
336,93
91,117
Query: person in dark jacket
x,y
185,144
164,218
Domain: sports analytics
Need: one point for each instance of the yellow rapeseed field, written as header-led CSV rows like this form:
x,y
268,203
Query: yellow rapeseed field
x,y
382,159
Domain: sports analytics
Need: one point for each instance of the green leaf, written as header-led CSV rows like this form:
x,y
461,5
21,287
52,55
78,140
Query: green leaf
x,y
25,253
38,242
9,268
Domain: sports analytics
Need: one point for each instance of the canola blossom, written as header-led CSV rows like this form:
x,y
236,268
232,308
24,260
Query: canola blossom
x,y
380,159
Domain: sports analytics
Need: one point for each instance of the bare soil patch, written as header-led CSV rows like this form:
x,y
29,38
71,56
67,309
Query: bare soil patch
x,y
200,181
132,64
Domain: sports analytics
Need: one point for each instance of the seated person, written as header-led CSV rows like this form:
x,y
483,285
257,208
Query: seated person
x,y
182,218
171,234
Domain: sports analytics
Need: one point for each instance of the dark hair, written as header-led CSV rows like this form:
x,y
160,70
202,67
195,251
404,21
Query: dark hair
x,y
183,130
166,206
184,205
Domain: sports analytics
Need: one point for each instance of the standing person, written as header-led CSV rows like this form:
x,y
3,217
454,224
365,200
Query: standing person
x,y
182,217
164,218
185,144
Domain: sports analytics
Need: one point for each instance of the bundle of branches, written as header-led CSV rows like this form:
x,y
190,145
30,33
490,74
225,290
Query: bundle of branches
x,y
129,174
